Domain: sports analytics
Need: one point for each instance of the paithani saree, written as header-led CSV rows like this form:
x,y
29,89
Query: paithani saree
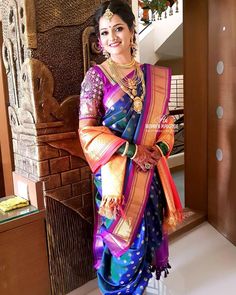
x,y
133,209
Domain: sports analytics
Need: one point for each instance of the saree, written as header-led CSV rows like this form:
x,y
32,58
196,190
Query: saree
x,y
133,209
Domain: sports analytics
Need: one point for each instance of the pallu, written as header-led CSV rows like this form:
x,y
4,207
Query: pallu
x,y
136,208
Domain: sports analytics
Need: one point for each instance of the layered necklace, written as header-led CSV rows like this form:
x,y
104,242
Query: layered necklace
x,y
129,84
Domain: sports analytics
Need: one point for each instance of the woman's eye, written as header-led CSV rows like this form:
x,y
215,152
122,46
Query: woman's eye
x,y
119,29
103,33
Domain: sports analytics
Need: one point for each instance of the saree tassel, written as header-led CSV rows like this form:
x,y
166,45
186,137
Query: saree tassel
x,y
159,270
164,269
111,206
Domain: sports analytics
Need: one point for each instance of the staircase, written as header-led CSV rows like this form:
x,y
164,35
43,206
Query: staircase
x,y
162,39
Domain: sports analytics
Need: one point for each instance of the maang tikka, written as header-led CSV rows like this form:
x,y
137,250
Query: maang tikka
x,y
108,14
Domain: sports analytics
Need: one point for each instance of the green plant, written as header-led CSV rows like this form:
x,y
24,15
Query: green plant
x,y
158,5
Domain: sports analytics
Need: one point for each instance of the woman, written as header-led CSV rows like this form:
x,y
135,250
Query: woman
x,y
126,137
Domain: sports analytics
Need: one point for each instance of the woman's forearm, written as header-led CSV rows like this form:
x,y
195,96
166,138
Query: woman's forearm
x,y
132,148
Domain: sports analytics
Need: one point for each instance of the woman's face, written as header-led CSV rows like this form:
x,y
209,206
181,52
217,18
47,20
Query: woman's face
x,y
115,35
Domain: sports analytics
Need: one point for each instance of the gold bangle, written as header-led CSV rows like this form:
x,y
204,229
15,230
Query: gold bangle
x,y
135,153
126,149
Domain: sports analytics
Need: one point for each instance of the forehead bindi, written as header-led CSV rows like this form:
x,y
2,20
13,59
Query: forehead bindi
x,y
105,24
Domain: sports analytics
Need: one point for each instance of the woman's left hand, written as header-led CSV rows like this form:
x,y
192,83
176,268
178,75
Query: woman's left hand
x,y
154,156
156,152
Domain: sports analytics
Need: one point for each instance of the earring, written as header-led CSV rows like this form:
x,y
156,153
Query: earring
x,y
101,49
133,47
106,53
99,45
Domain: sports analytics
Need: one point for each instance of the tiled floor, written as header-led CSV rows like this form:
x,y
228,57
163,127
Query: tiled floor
x,y
203,263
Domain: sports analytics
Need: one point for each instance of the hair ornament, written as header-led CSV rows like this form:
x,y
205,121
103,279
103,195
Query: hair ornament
x,y
108,14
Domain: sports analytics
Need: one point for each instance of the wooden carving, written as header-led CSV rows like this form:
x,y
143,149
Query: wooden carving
x,y
19,32
65,13
10,65
37,86
21,24
27,23
89,46
91,51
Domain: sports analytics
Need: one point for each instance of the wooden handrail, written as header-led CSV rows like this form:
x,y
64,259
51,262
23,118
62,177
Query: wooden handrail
x,y
179,111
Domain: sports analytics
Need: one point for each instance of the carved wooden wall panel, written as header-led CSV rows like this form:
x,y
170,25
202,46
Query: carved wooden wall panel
x,y
65,13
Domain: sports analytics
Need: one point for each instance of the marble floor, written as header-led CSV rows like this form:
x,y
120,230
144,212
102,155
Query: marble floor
x,y
203,263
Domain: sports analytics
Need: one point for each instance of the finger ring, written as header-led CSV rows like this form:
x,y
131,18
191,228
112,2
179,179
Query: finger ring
x,y
147,166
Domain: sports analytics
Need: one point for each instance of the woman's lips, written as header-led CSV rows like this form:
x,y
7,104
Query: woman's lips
x,y
114,44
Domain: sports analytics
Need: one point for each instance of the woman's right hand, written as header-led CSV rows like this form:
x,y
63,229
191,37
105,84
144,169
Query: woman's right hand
x,y
145,157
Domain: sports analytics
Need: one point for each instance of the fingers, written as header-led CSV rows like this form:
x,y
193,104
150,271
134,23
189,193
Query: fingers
x,y
146,158
151,161
138,168
145,166
156,154
141,168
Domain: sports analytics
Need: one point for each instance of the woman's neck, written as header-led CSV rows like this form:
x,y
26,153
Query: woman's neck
x,y
122,59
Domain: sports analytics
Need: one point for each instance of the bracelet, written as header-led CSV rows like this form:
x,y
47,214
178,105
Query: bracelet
x,y
160,150
163,147
126,149
164,142
135,153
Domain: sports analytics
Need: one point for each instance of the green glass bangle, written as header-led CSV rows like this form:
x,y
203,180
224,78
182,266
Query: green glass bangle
x,y
131,150
129,153
163,147
126,149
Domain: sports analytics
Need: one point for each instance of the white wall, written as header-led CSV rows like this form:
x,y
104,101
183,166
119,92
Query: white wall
x,y
146,46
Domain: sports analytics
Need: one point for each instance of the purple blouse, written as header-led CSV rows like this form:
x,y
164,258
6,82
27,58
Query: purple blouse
x,y
91,95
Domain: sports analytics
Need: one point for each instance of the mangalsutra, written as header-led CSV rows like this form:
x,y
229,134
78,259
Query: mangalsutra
x,y
129,85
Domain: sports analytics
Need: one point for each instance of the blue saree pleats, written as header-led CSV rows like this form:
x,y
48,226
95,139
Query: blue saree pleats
x,y
130,273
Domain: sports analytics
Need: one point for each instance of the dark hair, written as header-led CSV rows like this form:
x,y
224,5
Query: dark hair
x,y
121,8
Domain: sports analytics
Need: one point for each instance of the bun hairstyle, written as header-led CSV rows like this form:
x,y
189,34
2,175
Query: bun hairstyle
x,y
118,7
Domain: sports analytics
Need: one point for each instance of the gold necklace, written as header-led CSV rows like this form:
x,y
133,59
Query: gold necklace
x,y
125,66
127,82
129,85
